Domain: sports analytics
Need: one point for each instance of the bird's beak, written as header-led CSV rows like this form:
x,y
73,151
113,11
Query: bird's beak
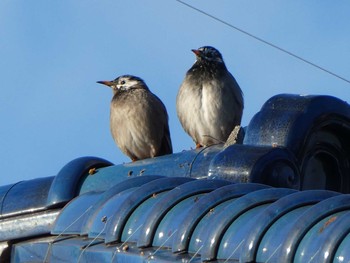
x,y
197,52
105,82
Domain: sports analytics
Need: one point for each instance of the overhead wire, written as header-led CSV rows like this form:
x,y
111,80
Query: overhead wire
x,y
264,41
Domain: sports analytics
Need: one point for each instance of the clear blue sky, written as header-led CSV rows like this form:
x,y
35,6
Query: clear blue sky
x,y
53,52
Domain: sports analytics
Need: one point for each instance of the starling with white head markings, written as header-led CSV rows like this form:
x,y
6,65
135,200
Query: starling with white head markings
x,y
138,119
209,103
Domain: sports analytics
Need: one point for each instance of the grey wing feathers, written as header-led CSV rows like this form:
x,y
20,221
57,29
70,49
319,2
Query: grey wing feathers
x,y
237,91
237,96
166,145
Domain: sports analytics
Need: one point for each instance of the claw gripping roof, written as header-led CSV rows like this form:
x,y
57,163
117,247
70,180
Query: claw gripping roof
x,y
279,195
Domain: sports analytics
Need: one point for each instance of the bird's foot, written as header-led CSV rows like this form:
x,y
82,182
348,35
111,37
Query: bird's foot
x,y
198,145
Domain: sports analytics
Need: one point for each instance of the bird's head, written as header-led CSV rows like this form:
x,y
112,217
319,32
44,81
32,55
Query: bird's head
x,y
124,83
208,54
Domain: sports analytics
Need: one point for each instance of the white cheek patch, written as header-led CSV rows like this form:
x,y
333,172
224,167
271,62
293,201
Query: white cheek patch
x,y
128,84
123,87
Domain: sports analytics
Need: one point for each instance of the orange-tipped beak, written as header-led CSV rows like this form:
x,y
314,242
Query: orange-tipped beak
x,y
105,82
196,52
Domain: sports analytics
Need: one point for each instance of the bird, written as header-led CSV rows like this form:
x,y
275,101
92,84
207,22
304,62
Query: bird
x,y
138,119
209,103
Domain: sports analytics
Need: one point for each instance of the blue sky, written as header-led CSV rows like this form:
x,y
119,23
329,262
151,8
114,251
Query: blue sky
x,y
53,52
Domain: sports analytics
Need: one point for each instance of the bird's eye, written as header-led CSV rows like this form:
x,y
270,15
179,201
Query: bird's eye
x,y
122,82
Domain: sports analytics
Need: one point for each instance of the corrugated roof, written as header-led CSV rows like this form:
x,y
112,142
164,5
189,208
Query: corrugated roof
x,y
279,196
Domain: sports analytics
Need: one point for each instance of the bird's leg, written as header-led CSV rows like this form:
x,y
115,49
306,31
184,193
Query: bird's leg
x,y
198,145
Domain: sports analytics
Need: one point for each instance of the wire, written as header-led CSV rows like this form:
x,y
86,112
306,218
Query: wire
x,y
265,42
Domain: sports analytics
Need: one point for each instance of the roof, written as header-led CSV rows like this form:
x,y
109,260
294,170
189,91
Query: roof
x,y
281,194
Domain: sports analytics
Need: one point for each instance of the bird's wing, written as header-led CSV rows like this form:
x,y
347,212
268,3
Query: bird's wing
x,y
238,94
234,99
166,145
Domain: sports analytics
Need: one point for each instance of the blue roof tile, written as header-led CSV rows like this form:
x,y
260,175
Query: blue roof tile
x,y
241,203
